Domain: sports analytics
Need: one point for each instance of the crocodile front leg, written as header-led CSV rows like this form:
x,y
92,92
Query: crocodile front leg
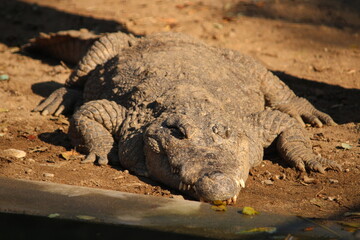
x,y
292,143
281,97
93,127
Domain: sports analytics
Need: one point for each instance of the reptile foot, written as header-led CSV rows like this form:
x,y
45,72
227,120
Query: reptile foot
x,y
301,109
92,157
63,99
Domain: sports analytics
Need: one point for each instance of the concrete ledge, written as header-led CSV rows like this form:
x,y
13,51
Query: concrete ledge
x,y
133,213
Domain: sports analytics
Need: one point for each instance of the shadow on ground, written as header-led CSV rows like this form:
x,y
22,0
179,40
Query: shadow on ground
x,y
20,21
334,13
44,89
342,104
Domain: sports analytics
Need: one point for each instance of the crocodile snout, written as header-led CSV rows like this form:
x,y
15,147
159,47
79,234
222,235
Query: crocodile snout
x,y
217,186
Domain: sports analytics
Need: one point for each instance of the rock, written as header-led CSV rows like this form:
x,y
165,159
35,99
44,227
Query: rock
x,y
11,152
331,198
268,182
48,175
27,171
278,177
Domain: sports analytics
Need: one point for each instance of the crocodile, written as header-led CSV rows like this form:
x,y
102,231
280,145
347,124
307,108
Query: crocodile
x,y
193,117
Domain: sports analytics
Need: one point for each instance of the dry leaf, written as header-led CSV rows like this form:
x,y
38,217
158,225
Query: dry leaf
x,y
350,224
249,211
259,230
219,205
346,146
38,149
85,217
317,202
70,155
31,137
347,214
219,208
218,202
308,229
53,215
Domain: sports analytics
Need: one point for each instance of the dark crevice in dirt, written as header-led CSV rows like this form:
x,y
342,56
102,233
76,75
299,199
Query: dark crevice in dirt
x,y
342,104
20,21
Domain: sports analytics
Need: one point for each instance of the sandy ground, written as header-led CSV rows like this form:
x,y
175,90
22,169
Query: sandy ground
x,y
314,46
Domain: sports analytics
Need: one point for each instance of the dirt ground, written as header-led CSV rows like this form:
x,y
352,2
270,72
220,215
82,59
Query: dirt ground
x,y
314,46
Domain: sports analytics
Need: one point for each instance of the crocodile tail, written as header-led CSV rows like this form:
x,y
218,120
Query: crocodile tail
x,y
68,46
105,48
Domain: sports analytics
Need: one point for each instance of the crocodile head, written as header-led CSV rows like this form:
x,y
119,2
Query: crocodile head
x,y
197,149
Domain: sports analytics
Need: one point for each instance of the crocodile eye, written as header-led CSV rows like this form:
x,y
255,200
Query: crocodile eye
x,y
177,132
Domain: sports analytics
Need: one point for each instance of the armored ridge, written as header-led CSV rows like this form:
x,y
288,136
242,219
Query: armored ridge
x,y
191,116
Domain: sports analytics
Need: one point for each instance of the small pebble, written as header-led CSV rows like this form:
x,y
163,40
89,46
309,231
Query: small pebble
x,y
11,152
49,175
126,171
268,182
331,198
27,171
4,77
275,177
347,170
334,181
118,177
308,180
31,160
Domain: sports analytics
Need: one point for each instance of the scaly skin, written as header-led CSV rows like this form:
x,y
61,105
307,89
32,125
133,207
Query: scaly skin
x,y
193,117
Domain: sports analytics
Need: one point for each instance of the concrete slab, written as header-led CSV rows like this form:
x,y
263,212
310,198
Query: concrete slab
x,y
133,213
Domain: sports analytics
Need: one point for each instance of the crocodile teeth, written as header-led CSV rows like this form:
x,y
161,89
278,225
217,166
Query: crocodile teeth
x,y
184,186
181,186
175,170
231,200
242,183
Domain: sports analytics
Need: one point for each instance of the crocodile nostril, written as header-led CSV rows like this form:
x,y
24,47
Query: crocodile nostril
x,y
222,131
210,156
